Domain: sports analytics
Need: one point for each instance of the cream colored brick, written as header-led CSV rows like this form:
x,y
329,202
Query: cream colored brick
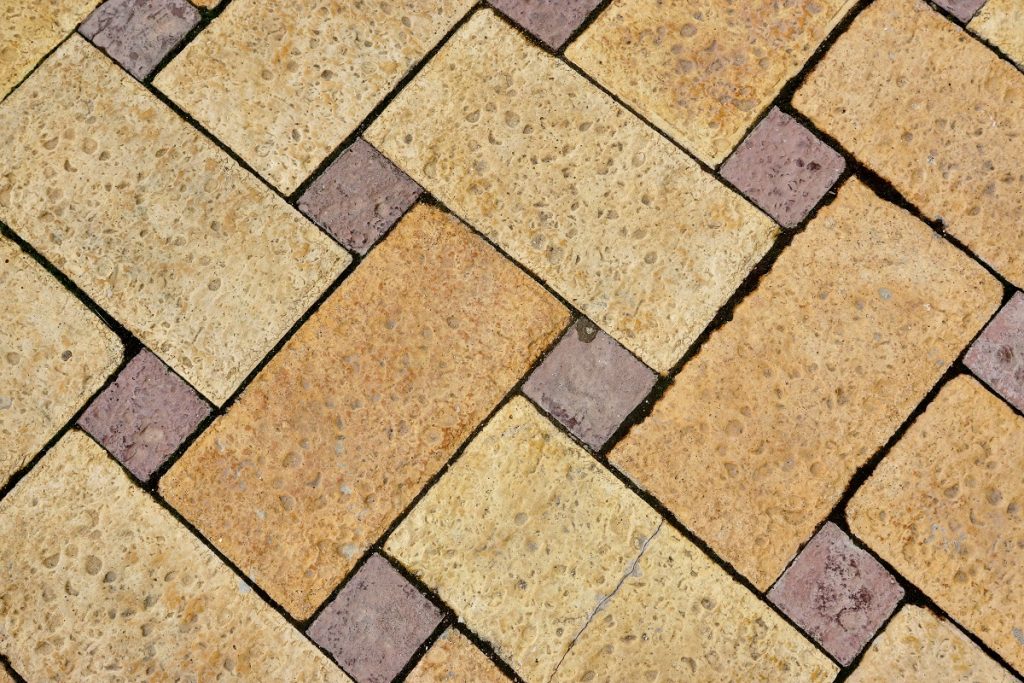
x,y
454,659
1001,22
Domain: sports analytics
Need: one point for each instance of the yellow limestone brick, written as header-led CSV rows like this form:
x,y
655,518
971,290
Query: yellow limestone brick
x,y
454,659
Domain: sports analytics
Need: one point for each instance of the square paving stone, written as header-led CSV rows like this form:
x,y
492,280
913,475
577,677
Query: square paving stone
x,y
961,9
997,356
550,21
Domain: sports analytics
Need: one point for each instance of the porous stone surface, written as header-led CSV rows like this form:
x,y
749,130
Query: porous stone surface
x,y
284,88
783,168
454,659
933,111
195,256
369,398
589,383
703,70
1001,22
549,21
944,508
962,9
610,214
376,623
4,676
110,587
31,29
54,354
359,197
997,356
755,441
144,415
837,592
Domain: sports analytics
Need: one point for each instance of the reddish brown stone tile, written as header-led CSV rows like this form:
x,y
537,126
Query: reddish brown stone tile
x,y
783,168
997,356
376,623
961,9
837,592
589,383
550,21
144,415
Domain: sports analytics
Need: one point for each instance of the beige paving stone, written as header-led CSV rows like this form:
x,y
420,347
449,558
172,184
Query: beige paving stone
x,y
703,70
919,647
454,659
753,444
160,227
362,406
283,88
573,186
109,587
944,508
54,354
5,677
936,113
1001,22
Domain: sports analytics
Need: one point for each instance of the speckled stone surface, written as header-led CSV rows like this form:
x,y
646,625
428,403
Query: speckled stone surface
x,y
30,30
935,112
944,509
4,676
703,70
196,257
608,213
109,587
54,354
284,88
962,9
753,444
837,592
376,623
997,356
783,168
359,197
362,406
144,415
454,659
549,21
138,34
1001,22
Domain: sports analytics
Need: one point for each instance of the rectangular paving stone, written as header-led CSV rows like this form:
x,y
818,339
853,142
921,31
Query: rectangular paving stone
x,y
154,222
32,29
549,21
703,70
934,112
366,402
997,355
754,443
1001,22
54,354
570,184
944,508
454,659
110,587
283,87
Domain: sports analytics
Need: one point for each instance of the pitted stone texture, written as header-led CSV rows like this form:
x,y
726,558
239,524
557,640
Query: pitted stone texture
x,y
944,508
837,592
196,257
570,184
919,647
54,354
549,21
703,70
376,624
454,659
110,587
359,197
30,30
936,113
753,444
144,415
997,356
962,9
523,537
1001,22
284,87
138,34
369,398
783,168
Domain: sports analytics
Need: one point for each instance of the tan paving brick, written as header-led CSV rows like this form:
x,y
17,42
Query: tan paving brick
x,y
936,113
1001,22
4,676
283,87
573,186
160,227
454,659
109,587
54,354
704,70
363,404
753,444
944,508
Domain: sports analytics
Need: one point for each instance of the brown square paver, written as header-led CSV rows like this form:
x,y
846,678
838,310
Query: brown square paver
x,y
961,9
550,21
997,356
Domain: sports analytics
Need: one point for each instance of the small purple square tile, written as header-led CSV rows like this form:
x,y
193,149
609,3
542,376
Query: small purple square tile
x,y
964,10
376,624
783,168
837,592
138,34
997,355
144,415
549,21
359,197
589,383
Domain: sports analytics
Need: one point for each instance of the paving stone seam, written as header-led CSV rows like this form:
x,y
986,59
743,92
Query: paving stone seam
x,y
5,665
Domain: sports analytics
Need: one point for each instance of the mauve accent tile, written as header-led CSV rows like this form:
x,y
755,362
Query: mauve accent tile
x,y
997,355
376,624
589,383
783,168
359,197
837,592
963,10
138,34
550,21
144,415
